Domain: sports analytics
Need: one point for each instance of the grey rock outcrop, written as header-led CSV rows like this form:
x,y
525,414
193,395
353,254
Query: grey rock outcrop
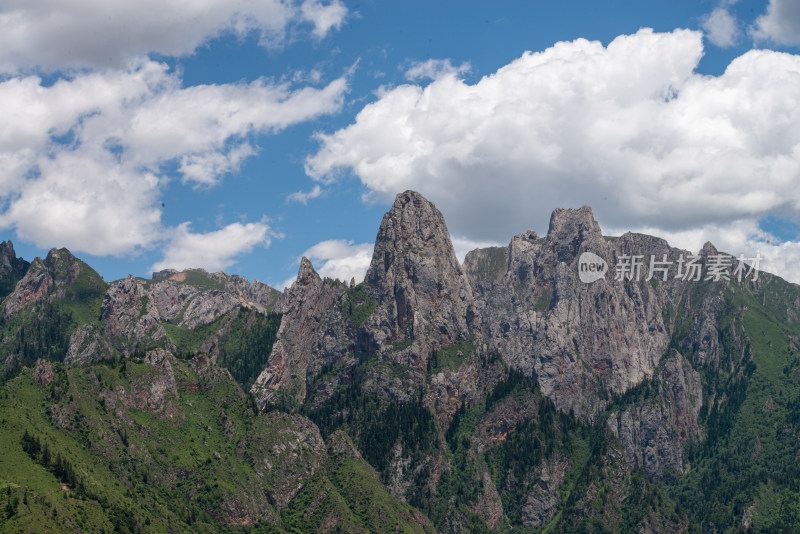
x,y
129,312
34,286
134,310
415,298
87,345
7,257
542,501
158,391
581,339
421,289
585,342
487,265
54,277
286,457
314,331
194,297
43,372
164,273
653,433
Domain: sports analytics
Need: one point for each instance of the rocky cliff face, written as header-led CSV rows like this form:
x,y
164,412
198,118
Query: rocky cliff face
x,y
134,311
654,432
129,312
55,277
590,342
421,289
415,298
582,340
35,285
486,394
585,343
7,257
12,268
315,330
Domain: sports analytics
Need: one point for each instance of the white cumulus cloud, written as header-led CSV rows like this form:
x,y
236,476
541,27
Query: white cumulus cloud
x,y
780,24
433,69
212,251
54,34
324,16
721,27
630,128
81,160
338,258
304,196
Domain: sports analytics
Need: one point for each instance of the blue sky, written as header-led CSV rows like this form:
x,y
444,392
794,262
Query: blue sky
x,y
143,136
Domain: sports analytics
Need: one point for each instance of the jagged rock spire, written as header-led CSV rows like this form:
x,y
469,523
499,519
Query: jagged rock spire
x,y
7,257
415,275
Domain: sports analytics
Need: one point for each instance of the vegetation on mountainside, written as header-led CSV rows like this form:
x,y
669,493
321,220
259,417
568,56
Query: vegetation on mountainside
x,y
97,449
77,456
491,264
245,348
244,338
43,329
450,356
747,469
358,305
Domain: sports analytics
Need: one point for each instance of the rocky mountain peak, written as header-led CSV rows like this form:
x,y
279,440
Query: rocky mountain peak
x,y
413,224
127,311
35,285
64,267
7,257
303,345
708,250
163,274
565,221
306,275
569,229
415,276
55,276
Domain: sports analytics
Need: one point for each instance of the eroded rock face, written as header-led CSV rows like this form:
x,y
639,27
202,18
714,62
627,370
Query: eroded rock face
x,y
207,307
542,501
156,391
254,294
490,505
43,372
286,456
87,345
653,433
7,257
129,312
313,331
171,298
448,390
34,286
133,310
51,278
417,298
581,339
422,292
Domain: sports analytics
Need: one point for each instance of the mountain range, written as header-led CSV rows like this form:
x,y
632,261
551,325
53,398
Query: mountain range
x,y
507,394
